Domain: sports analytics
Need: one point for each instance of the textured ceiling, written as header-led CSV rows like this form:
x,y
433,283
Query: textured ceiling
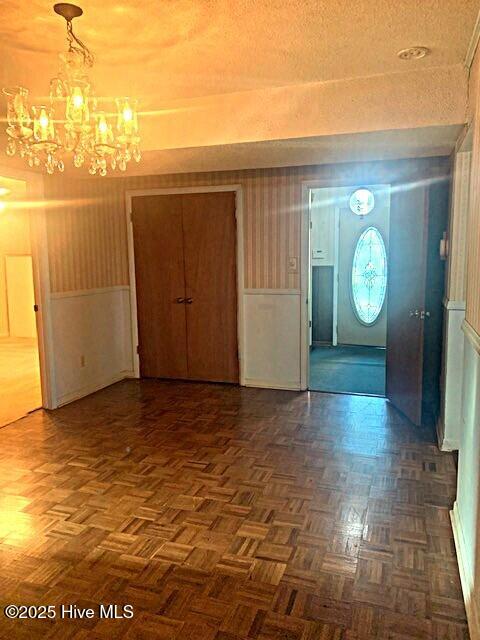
x,y
211,74
357,147
160,50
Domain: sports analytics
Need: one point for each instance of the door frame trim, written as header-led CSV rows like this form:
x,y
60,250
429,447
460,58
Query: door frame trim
x,y
41,278
305,265
336,259
238,190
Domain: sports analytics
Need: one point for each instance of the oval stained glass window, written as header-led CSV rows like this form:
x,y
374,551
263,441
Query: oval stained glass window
x,y
369,276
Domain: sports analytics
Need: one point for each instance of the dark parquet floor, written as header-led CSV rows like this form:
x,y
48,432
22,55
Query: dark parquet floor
x,y
223,513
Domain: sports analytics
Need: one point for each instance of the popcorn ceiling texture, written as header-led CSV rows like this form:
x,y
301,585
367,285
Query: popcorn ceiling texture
x,y
218,73
187,49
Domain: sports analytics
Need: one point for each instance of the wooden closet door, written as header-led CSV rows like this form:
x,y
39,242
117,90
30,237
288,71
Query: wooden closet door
x,y
160,282
209,231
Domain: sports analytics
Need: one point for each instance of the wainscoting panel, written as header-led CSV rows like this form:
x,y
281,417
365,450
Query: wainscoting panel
x,y
272,340
92,347
450,423
465,515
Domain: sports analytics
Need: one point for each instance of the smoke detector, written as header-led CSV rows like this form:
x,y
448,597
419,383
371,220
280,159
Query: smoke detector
x,y
413,53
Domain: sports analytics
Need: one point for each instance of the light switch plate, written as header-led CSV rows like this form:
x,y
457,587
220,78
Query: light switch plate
x,y
292,264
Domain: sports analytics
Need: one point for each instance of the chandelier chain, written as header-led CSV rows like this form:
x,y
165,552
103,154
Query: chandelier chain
x,y
81,49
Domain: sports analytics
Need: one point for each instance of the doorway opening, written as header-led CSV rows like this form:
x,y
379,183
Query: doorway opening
x,y
348,280
375,268
19,353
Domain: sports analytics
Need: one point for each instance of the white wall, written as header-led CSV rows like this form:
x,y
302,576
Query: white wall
x,y
449,424
20,296
14,240
92,340
272,338
324,201
465,515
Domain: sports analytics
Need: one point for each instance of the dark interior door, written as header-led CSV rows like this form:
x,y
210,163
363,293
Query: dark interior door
x,y
438,201
160,284
209,231
185,270
406,299
322,305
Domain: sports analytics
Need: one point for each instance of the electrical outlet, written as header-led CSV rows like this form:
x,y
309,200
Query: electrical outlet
x,y
82,361
292,264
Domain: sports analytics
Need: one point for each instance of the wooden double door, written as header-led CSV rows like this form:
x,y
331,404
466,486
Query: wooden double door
x,y
186,282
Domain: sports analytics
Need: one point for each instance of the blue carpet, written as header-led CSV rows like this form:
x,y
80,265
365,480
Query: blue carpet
x,y
348,369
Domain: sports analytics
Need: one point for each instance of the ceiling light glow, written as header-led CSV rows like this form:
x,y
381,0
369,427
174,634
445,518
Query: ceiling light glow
x,y
70,124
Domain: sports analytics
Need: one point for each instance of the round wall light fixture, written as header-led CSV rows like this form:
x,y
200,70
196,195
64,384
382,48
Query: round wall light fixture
x,y
362,201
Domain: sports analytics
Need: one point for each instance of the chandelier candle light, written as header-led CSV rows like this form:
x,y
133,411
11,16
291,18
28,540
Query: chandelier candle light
x,y
70,123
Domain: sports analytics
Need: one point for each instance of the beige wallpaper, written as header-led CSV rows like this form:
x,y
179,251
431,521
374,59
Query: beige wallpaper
x,y
87,234
473,238
456,272
473,224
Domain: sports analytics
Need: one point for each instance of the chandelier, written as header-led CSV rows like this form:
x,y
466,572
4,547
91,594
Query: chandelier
x,y
69,122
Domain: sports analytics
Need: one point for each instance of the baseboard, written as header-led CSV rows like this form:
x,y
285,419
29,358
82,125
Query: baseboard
x,y
265,384
92,388
472,607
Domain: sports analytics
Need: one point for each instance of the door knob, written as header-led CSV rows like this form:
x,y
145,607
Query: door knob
x,y
415,313
189,300
180,300
424,314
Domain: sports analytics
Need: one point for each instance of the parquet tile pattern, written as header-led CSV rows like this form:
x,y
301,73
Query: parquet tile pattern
x,y
223,513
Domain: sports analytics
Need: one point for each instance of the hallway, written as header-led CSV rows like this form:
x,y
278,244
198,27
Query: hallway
x,y
229,513
19,378
348,369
